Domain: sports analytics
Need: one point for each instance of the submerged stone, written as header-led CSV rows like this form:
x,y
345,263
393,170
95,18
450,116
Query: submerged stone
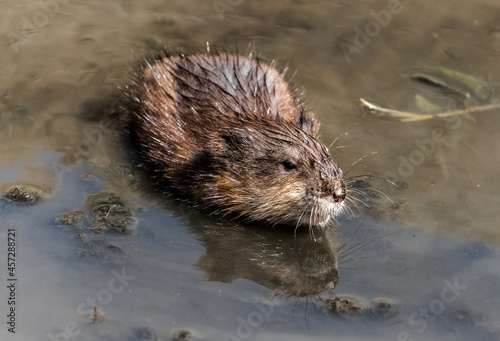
x,y
24,194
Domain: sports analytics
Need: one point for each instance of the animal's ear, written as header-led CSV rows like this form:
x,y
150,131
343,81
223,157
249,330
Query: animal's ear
x,y
236,138
309,123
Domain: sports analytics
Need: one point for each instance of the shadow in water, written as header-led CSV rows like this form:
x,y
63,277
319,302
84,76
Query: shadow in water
x,y
291,265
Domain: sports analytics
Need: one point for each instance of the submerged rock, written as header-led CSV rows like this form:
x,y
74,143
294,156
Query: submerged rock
x,y
144,334
71,218
24,194
181,335
104,211
109,211
345,305
381,309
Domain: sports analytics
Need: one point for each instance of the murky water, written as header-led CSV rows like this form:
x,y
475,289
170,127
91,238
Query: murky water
x,y
426,268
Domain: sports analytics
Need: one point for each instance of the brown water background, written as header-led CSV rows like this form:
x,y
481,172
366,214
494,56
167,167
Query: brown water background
x,y
62,66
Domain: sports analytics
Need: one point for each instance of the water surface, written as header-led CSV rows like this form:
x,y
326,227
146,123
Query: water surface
x,y
424,268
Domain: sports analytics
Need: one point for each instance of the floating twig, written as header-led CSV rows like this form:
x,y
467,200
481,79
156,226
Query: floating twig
x,y
95,316
376,111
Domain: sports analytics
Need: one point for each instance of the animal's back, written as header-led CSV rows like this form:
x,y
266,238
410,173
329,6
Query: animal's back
x,y
228,130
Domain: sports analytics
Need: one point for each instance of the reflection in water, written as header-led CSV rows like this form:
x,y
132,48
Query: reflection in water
x,y
272,257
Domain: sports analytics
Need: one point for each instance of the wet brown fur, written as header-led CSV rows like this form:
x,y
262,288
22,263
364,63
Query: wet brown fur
x,y
223,131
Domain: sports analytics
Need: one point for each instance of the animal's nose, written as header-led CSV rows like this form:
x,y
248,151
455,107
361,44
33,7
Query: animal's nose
x,y
339,191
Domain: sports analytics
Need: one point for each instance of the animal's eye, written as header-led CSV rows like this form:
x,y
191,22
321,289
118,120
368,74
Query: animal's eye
x,y
289,165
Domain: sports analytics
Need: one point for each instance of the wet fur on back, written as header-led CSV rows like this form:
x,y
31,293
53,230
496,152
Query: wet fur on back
x,y
225,132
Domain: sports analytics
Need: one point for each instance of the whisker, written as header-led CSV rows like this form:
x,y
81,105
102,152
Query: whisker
x,y
349,260
310,222
275,295
320,298
298,222
361,201
351,202
361,223
305,315
367,176
361,245
357,162
341,247
296,301
314,226
349,208
335,220
355,124
351,250
359,190
385,195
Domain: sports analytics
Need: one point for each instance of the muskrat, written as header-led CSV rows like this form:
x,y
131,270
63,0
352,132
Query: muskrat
x,y
226,132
